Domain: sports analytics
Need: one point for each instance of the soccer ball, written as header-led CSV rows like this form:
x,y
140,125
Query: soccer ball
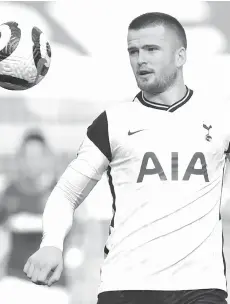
x,y
25,55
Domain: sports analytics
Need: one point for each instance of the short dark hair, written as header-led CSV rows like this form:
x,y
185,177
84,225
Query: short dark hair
x,y
156,18
33,135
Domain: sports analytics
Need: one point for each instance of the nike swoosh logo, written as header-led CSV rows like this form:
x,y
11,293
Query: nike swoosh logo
x,y
131,133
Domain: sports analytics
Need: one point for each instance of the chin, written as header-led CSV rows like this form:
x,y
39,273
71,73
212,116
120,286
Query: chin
x,y
146,84
151,88
147,87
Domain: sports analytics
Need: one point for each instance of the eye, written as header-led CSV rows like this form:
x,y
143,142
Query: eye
x,y
133,52
152,48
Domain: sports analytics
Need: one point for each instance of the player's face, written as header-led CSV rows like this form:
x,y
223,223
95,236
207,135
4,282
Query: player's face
x,y
153,53
33,158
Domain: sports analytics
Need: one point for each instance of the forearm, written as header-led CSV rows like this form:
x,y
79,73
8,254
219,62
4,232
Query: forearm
x,y
69,193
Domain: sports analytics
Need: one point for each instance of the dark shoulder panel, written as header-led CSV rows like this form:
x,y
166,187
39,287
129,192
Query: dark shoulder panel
x,y
98,133
228,150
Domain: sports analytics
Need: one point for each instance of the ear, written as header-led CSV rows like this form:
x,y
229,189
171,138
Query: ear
x,y
181,57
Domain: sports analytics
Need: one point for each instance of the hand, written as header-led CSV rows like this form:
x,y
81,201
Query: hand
x,y
45,266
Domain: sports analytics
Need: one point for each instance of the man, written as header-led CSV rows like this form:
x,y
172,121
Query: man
x,y
164,154
22,202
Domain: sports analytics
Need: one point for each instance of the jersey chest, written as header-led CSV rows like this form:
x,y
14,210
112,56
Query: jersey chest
x,y
173,146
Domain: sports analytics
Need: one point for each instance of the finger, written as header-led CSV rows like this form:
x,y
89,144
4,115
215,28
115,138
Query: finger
x,y
43,275
26,267
56,275
30,271
35,274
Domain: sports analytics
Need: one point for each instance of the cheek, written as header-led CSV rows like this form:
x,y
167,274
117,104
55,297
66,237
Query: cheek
x,y
133,63
165,64
157,62
165,58
171,59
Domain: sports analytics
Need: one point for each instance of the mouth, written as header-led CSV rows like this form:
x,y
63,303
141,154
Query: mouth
x,y
144,73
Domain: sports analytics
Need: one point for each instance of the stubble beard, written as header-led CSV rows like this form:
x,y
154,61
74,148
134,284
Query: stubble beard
x,y
159,85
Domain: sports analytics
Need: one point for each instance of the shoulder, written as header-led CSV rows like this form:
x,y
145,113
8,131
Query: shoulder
x,y
121,109
11,188
216,105
211,102
116,112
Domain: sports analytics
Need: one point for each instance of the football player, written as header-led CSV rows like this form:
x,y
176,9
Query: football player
x,y
164,154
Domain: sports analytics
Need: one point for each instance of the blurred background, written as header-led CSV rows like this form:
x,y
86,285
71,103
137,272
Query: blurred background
x,y
41,128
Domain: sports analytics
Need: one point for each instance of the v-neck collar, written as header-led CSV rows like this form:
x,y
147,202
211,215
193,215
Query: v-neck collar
x,y
176,105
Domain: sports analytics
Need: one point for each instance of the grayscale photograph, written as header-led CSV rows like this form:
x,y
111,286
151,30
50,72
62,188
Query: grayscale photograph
x,y
115,152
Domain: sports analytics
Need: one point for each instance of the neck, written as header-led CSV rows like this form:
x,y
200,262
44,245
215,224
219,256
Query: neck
x,y
168,97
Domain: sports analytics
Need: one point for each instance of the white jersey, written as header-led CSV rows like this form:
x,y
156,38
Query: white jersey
x,y
165,168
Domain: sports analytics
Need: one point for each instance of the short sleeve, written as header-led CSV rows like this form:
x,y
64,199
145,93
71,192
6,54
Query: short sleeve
x,y
94,154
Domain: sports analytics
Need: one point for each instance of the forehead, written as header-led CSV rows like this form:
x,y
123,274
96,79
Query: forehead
x,y
158,35
33,145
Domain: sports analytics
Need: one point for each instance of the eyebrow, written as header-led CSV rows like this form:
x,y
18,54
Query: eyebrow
x,y
144,47
131,48
151,45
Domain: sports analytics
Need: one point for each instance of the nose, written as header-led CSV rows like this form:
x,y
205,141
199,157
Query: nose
x,y
142,57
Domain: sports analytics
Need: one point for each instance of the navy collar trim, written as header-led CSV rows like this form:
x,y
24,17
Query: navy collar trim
x,y
140,96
